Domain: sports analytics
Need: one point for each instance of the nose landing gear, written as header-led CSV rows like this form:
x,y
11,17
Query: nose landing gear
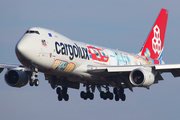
x,y
33,80
32,77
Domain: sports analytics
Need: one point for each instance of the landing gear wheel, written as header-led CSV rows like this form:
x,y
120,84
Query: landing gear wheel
x,y
85,96
36,82
31,83
66,97
115,90
82,94
58,90
91,96
105,96
102,94
123,97
116,97
111,96
60,97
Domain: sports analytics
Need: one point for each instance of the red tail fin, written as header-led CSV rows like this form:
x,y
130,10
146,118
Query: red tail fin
x,y
153,46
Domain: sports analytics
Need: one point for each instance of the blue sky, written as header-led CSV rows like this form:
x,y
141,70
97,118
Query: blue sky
x,y
122,24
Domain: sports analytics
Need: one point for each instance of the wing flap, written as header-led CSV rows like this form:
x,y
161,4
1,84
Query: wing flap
x,y
175,73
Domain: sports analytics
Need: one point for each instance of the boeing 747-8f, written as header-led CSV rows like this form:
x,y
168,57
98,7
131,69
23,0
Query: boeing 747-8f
x,y
67,64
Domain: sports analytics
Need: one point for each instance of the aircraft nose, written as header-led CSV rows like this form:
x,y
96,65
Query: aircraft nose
x,y
21,47
24,48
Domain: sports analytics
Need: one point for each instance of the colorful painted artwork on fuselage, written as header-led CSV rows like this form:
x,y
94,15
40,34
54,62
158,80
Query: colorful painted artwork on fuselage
x,y
110,57
98,55
123,59
147,54
62,65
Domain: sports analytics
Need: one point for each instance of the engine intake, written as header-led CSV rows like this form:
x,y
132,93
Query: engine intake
x,y
16,78
141,77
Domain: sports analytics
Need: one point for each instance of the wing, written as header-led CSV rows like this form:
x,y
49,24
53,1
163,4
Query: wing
x,y
13,66
173,68
124,72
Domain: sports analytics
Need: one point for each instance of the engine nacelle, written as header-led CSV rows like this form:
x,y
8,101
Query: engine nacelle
x,y
16,78
141,77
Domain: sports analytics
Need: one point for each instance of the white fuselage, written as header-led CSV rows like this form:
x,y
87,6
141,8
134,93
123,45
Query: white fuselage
x,y
52,52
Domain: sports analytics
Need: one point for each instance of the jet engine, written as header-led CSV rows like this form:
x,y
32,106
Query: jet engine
x,y
16,78
141,77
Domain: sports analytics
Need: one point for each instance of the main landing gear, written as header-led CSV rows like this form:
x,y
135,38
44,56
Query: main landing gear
x,y
107,94
87,94
119,94
62,93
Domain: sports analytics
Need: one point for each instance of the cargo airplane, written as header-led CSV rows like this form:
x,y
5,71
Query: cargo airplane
x,y
67,64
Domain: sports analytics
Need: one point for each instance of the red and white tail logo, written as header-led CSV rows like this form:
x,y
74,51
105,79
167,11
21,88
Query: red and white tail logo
x,y
153,46
156,41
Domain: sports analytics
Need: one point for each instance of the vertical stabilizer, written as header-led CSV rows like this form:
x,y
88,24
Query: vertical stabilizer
x,y
154,45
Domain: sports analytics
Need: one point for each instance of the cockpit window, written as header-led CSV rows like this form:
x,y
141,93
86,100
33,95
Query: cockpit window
x,y
31,31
